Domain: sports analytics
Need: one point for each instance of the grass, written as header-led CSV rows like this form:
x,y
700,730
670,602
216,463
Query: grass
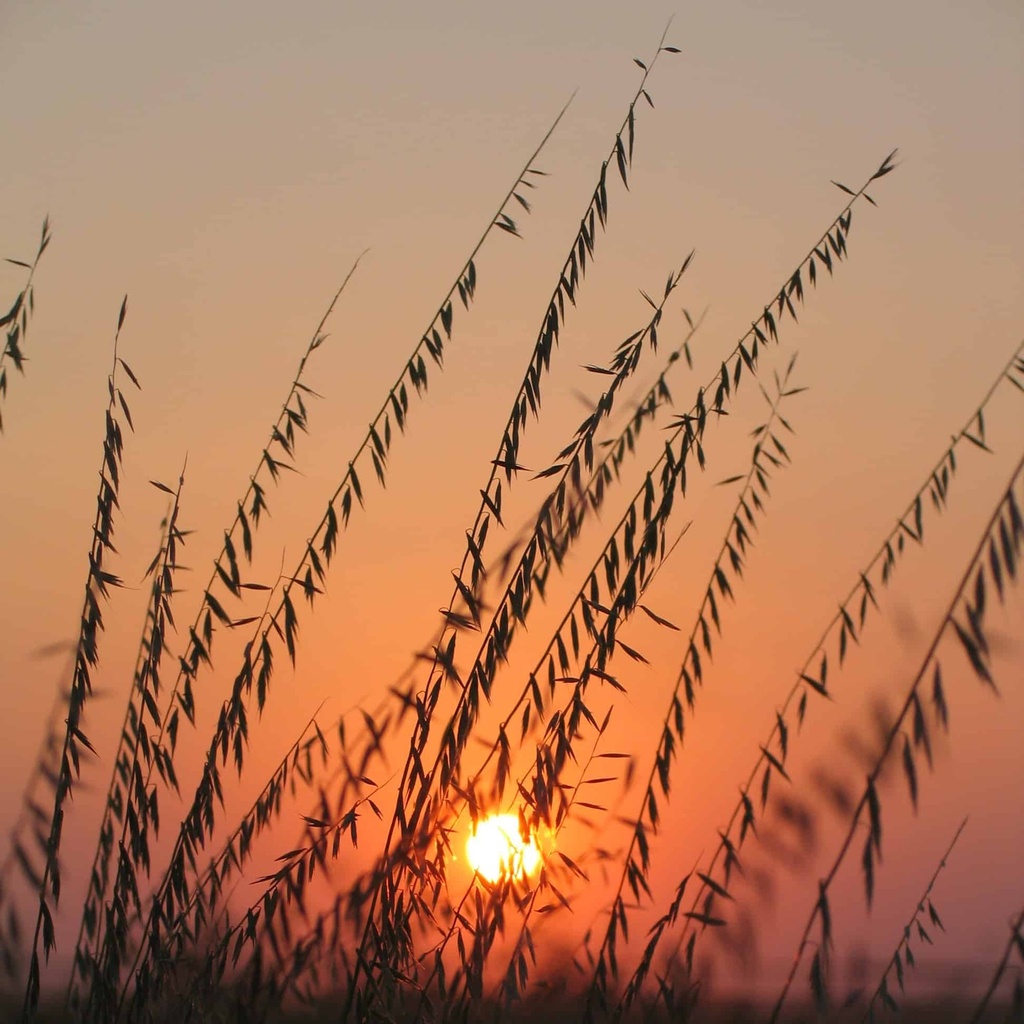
x,y
392,931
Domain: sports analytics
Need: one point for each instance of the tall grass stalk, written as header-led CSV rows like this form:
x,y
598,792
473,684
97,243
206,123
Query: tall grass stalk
x,y
99,583
768,454
528,397
518,970
903,957
298,866
589,502
838,637
132,851
120,774
541,804
174,891
416,823
691,428
141,802
551,809
377,724
1002,539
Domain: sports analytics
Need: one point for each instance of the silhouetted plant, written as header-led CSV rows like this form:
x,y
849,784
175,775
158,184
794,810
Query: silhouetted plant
x,y
914,930
161,938
16,320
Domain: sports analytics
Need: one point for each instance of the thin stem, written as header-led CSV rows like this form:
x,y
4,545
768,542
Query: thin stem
x,y
112,788
97,585
257,817
506,459
670,733
937,482
904,943
589,501
283,621
225,570
618,605
1016,940
869,795
134,850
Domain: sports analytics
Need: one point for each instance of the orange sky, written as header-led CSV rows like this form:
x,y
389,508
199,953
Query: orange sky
x,y
224,166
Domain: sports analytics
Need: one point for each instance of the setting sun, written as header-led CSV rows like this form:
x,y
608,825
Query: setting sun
x,y
496,848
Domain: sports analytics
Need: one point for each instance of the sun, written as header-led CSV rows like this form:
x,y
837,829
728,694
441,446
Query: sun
x,y
496,849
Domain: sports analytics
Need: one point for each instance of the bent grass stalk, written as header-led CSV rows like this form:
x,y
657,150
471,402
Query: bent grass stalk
x,y
616,451
834,239
319,551
734,546
844,626
159,756
548,805
98,585
514,604
590,500
297,763
527,398
832,242
297,871
132,848
466,795
903,957
483,934
623,597
628,355
1004,535
283,435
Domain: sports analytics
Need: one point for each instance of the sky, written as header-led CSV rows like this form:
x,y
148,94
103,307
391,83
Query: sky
x,y
224,166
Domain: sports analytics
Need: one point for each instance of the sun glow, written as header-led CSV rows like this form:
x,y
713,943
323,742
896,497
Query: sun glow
x,y
496,849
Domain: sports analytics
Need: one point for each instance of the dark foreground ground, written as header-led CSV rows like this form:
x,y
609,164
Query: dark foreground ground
x,y
562,1011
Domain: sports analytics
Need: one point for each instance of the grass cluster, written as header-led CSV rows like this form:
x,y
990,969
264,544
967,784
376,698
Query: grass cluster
x,y
396,934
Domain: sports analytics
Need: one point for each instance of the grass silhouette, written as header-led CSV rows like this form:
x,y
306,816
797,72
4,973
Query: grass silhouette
x,y
390,929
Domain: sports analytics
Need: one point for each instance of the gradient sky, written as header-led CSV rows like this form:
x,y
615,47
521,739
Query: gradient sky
x,y
224,164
